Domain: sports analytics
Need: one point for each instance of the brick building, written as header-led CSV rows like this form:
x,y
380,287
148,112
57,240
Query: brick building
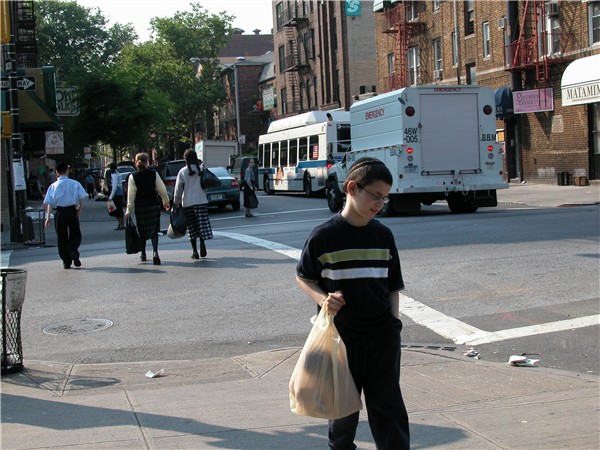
x,y
324,54
523,50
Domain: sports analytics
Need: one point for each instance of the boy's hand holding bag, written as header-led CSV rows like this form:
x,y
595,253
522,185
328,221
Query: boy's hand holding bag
x,y
321,384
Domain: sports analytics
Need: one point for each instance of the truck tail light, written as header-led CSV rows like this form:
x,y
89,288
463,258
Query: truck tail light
x,y
409,150
410,111
487,110
490,148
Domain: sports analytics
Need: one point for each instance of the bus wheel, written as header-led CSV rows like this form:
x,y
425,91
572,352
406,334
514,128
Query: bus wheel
x,y
267,186
334,198
308,192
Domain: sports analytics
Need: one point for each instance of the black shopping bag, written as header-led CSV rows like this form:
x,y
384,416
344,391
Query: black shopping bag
x,y
133,242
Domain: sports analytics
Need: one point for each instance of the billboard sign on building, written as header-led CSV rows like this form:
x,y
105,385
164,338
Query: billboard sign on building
x,y
535,100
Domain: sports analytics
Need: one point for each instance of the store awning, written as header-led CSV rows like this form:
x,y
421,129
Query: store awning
x,y
380,5
34,114
581,81
504,103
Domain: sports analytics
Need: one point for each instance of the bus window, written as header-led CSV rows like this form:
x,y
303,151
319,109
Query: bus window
x,y
275,154
303,149
343,137
313,147
293,158
283,156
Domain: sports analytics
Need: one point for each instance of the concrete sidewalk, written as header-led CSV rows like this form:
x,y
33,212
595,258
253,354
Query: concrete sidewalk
x,y
242,403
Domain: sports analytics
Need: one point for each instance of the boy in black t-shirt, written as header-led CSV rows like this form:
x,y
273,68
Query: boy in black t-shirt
x,y
350,266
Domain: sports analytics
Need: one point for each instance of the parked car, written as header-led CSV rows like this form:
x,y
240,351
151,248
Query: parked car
x,y
239,168
226,194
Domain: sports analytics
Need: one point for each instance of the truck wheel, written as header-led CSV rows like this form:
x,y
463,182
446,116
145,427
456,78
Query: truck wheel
x,y
235,205
308,192
267,186
461,205
334,197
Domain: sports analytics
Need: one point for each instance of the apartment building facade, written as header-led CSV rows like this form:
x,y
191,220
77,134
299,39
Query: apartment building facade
x,y
542,58
324,54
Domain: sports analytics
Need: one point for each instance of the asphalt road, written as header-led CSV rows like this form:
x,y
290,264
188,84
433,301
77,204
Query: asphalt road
x,y
504,281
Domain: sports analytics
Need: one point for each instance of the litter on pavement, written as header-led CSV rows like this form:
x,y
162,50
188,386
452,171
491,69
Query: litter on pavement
x,y
151,374
522,361
472,353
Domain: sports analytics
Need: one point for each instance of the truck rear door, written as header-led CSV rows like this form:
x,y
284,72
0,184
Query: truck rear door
x,y
450,132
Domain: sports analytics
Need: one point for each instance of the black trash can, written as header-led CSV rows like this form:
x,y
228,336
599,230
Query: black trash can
x,y
13,296
563,178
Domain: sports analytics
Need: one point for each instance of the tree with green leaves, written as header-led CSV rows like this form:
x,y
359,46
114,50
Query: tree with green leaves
x,y
73,38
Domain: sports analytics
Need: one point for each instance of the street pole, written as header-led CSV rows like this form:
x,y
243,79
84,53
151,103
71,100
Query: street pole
x,y
237,109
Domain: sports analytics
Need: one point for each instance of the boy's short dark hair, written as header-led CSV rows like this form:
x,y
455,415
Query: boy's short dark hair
x,y
368,170
62,167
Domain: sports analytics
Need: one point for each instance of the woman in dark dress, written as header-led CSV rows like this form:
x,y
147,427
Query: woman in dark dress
x,y
143,191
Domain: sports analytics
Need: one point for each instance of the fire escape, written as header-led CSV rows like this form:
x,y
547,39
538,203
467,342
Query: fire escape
x,y
540,44
294,20
399,23
25,43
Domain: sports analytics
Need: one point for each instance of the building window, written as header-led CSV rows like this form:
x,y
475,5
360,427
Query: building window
x,y
390,62
454,50
284,105
412,12
485,28
313,51
471,73
469,17
437,59
279,15
414,66
550,43
281,53
315,91
594,22
437,4
308,94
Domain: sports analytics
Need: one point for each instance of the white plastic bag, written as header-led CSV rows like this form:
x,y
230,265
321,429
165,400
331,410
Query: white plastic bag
x,y
321,384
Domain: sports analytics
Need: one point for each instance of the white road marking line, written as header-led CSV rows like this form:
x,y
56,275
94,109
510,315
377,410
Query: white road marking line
x,y
459,332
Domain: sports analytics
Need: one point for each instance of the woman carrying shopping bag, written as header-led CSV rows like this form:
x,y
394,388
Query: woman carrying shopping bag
x,y
143,192
192,197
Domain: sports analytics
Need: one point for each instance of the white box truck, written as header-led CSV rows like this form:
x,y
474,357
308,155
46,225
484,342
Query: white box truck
x,y
216,153
439,142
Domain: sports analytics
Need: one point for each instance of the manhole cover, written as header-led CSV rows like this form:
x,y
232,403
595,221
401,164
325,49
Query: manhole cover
x,y
78,326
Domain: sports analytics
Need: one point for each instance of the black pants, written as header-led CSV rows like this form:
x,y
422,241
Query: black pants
x,y
375,366
68,233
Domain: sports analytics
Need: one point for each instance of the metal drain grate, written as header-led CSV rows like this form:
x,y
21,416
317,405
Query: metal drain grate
x,y
78,326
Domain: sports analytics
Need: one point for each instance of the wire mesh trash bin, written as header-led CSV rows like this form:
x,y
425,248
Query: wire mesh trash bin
x,y
13,296
32,221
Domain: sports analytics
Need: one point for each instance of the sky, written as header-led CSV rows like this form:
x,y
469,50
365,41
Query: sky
x,y
250,14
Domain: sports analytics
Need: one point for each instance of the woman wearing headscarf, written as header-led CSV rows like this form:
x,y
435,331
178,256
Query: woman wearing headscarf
x,y
190,195
143,192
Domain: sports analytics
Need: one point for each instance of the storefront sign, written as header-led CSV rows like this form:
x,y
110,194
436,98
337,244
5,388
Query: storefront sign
x,y
535,100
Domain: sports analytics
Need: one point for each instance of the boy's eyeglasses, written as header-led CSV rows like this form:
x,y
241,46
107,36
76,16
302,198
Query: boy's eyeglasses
x,y
376,197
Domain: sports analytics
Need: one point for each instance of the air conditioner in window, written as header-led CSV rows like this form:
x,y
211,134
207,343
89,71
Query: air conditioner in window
x,y
437,75
552,9
502,23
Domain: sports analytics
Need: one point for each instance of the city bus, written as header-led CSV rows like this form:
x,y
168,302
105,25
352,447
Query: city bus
x,y
296,151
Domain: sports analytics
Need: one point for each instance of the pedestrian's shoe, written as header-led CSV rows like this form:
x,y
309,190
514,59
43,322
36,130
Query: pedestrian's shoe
x,y
202,249
143,257
249,215
156,260
119,228
195,255
76,262
66,266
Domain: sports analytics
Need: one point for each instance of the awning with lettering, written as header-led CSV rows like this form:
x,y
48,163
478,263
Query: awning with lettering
x,y
504,103
581,81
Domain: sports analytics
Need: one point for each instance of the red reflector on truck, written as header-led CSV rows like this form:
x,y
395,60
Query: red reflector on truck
x,y
490,148
409,150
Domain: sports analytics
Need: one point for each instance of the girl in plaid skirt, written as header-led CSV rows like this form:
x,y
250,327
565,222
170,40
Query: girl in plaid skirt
x,y
190,195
